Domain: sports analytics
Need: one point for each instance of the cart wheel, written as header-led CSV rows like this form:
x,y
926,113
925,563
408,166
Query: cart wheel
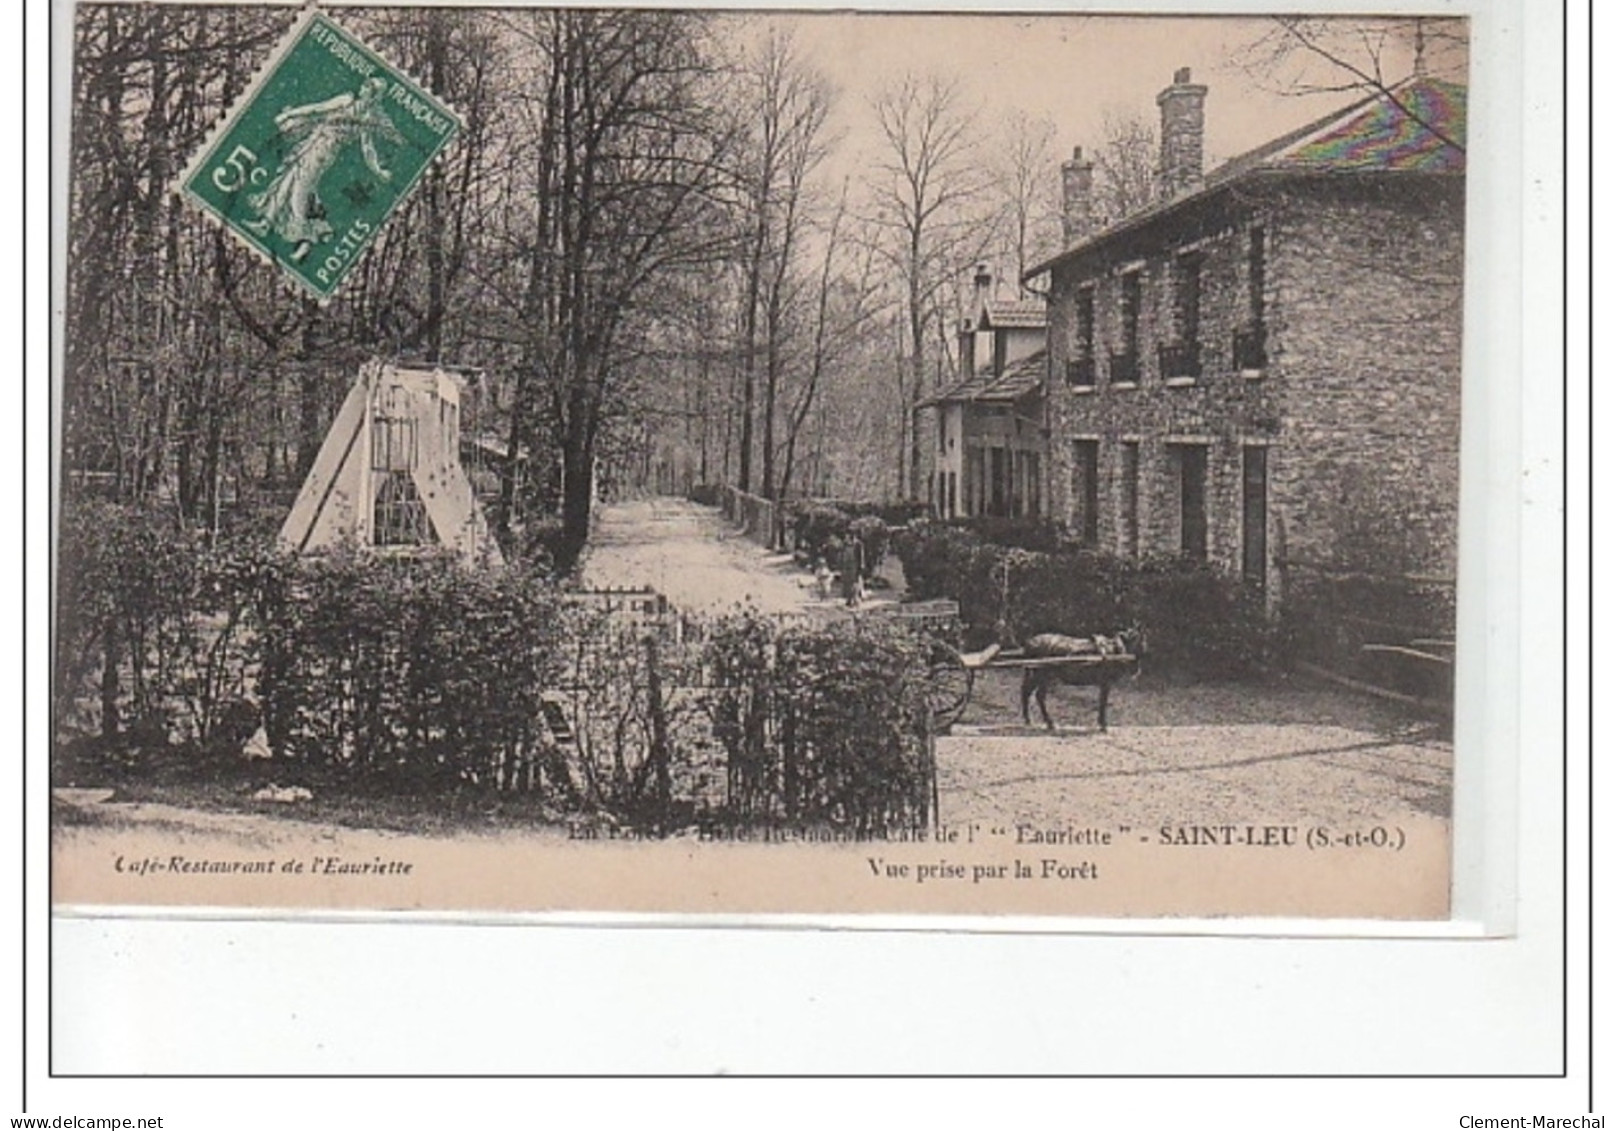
x,y
951,684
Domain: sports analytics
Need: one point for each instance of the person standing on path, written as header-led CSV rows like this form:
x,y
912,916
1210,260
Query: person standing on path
x,y
852,571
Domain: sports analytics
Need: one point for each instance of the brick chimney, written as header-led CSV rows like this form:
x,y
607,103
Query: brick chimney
x,y
1076,184
984,284
967,349
1183,130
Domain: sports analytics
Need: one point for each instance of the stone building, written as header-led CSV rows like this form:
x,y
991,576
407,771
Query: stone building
x,y
982,438
1261,368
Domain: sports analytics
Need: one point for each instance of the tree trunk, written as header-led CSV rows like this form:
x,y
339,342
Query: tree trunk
x,y
770,396
577,495
432,324
309,433
112,653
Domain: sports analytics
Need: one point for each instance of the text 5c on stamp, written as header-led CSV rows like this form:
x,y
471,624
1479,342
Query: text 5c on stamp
x,y
318,153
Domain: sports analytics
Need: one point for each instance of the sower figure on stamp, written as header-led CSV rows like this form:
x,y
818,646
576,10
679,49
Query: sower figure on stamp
x,y
318,133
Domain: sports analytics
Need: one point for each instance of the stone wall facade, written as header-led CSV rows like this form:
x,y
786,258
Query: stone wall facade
x,y
1352,289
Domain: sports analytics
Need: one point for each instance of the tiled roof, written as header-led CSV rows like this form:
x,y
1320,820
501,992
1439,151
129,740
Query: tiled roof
x,y
1018,379
1011,315
1418,126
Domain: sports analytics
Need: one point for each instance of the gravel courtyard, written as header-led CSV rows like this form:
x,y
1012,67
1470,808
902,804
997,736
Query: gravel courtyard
x,y
1193,755
1173,754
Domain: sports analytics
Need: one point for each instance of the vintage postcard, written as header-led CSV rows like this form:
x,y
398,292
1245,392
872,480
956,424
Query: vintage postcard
x,y
519,459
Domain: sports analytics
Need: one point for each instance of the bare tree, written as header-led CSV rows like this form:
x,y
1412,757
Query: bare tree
x,y
1373,57
846,305
786,107
1124,166
1028,189
626,173
925,192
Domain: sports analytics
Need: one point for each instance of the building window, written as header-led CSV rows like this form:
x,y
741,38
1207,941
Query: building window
x,y
1250,340
1191,466
1129,499
998,484
1254,549
1188,298
1034,484
1085,490
400,514
1017,472
1124,365
1079,370
1181,358
1258,275
393,444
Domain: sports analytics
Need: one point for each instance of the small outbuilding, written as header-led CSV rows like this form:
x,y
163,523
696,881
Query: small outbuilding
x,y
388,476
991,443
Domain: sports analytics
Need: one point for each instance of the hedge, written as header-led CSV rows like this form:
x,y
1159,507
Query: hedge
x,y
1039,534
419,676
153,629
823,726
820,527
411,672
1197,621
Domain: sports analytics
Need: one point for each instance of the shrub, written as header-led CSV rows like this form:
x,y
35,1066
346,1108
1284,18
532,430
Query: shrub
x,y
822,726
933,557
1198,622
540,543
815,526
941,560
642,738
1328,620
408,671
417,675
1076,593
815,521
1039,534
153,627
892,514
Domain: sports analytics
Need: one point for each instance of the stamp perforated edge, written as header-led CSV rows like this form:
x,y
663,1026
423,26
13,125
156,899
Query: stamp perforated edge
x,y
209,144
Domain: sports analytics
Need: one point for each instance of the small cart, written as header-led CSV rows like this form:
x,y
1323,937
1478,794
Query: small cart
x,y
953,676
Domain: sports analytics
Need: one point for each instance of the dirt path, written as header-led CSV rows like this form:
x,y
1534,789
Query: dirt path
x,y
689,553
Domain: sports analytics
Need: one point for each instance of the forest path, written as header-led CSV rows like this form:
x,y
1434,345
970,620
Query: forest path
x,y
696,559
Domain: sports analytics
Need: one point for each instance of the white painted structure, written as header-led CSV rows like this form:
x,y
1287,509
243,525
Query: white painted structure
x,y
388,476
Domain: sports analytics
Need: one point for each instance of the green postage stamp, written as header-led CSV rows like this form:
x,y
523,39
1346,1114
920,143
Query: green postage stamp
x,y
318,153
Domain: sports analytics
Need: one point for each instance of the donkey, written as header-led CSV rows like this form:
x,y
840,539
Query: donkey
x,y
1036,681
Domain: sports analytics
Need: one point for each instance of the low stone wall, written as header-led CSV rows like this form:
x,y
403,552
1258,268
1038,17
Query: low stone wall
x,y
757,517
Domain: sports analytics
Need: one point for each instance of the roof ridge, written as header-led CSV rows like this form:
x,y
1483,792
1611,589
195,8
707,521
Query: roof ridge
x,y
1265,157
